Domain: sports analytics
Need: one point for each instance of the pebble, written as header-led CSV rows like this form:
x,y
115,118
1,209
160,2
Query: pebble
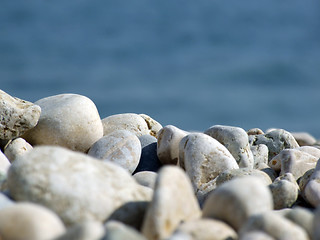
x,y
173,202
16,148
121,147
256,235
118,231
293,161
29,221
316,225
75,186
149,160
205,229
146,178
16,116
276,140
268,170
236,140
153,125
260,154
203,159
5,201
67,120
311,191
88,230
274,225
311,150
244,197
284,191
128,121
255,131
169,138
4,164
304,138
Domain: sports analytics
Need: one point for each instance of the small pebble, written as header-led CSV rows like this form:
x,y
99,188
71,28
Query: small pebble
x,y
16,148
260,154
146,178
304,138
119,231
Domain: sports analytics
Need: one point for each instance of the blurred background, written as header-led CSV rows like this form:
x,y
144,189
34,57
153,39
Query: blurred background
x,y
192,64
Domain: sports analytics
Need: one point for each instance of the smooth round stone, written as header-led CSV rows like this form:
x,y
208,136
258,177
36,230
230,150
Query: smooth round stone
x,y
255,131
126,121
284,191
74,185
146,178
236,140
153,125
118,231
29,221
17,116
256,235
16,148
173,202
169,138
304,138
204,158
274,225
268,170
242,172
304,180
260,154
205,229
121,147
67,120
4,163
149,160
89,230
293,161
276,140
243,197
312,188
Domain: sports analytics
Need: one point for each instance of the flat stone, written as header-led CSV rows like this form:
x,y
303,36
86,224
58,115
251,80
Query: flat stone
x,y
284,191
260,154
29,221
118,231
16,116
276,140
149,160
126,121
153,126
121,147
169,138
173,202
236,140
304,138
245,197
205,229
274,225
146,178
74,185
204,158
67,120
293,161
16,148
88,230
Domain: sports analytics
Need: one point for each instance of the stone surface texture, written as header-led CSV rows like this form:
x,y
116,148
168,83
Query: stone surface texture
x,y
16,148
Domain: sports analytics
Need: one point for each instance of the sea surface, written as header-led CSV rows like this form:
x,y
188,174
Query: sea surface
x,y
190,63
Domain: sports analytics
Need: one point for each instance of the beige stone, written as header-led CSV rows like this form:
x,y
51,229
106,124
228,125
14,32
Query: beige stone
x,y
67,120
304,138
16,116
118,231
256,235
29,221
153,125
173,202
146,178
16,148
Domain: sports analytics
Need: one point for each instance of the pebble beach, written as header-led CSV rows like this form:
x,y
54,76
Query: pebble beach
x,y
68,174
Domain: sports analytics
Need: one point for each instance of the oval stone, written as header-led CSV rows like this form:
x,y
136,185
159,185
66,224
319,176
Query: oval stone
x,y
16,148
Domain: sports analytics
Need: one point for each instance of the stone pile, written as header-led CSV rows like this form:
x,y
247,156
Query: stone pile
x,y
67,174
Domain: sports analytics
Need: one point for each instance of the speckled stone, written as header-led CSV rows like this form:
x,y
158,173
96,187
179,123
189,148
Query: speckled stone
x,y
276,140
16,116
205,229
75,186
29,221
169,138
260,154
118,231
146,178
243,197
204,158
68,120
173,202
274,225
236,140
304,138
121,147
153,126
16,148
88,230
284,191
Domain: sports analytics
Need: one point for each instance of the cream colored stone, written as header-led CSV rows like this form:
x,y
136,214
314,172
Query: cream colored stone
x,y
29,221
311,150
146,178
16,116
67,120
311,191
238,199
153,125
118,231
260,154
16,148
75,186
204,158
121,147
169,138
173,202
255,131
256,235
304,138
206,229
236,140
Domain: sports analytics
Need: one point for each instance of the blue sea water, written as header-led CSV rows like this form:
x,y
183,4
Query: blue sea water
x,y
189,63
